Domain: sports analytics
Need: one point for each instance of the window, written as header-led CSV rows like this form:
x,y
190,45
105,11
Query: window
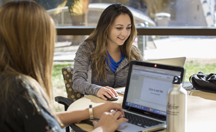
x,y
166,28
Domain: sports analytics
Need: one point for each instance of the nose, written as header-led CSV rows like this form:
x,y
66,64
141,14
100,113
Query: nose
x,y
125,32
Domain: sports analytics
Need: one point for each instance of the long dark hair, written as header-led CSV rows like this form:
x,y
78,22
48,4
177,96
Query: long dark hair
x,y
99,38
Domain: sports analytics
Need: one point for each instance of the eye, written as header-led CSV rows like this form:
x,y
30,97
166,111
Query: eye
x,y
118,28
128,27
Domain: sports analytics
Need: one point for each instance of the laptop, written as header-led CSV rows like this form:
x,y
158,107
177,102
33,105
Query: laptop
x,y
177,61
145,95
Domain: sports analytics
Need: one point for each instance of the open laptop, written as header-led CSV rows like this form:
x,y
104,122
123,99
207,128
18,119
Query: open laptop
x,y
145,95
177,61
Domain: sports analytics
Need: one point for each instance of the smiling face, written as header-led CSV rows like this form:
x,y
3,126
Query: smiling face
x,y
119,31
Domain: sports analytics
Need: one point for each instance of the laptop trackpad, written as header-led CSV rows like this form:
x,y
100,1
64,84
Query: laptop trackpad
x,y
127,127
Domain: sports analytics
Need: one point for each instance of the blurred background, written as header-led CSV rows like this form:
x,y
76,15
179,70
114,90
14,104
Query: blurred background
x,y
149,14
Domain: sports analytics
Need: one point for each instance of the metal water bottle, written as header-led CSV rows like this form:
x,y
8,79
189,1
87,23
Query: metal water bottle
x,y
176,107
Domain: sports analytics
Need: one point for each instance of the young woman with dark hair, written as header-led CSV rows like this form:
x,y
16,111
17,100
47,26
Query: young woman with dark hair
x,y
105,55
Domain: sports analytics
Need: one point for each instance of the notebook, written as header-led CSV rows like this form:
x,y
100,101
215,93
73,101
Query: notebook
x,y
177,61
145,95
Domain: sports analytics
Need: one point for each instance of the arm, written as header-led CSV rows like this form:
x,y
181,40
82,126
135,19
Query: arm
x,y
70,117
99,112
81,65
80,75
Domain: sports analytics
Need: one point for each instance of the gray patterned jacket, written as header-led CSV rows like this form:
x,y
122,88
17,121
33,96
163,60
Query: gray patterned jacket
x,y
85,83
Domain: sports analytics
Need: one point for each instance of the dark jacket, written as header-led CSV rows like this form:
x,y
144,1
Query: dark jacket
x,y
25,110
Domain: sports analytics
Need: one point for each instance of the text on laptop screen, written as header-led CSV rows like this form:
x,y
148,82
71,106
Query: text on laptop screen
x,y
151,85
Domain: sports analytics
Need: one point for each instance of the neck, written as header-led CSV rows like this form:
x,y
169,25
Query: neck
x,y
113,49
114,52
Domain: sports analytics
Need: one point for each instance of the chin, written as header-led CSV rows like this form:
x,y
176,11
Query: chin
x,y
122,43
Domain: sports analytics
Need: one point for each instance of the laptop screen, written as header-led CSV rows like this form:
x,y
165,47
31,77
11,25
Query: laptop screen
x,y
148,85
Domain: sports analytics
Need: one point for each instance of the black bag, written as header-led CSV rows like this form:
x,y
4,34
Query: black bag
x,y
204,82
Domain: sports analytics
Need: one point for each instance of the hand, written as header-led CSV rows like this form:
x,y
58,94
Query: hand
x,y
108,91
107,107
109,122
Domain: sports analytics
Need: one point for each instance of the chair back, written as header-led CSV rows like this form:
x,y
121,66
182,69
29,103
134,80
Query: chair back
x,y
67,75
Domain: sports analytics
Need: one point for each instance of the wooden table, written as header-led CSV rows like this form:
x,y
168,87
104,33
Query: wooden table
x,y
201,110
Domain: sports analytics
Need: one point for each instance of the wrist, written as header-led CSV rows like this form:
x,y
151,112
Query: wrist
x,y
91,115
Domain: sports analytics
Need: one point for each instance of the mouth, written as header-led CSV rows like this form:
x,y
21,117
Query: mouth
x,y
121,38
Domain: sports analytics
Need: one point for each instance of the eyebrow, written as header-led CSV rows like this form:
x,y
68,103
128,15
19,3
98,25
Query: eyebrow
x,y
122,25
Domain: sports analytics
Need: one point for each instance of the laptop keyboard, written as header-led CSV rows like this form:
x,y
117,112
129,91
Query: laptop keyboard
x,y
140,121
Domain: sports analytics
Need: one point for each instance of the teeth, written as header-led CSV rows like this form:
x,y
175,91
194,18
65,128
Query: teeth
x,y
121,38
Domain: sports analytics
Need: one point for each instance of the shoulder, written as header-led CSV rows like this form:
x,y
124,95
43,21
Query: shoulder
x,y
16,88
13,90
136,53
87,46
15,83
24,105
85,50
135,48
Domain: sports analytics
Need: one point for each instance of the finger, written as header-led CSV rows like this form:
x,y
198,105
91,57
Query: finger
x,y
103,91
107,87
118,107
117,114
109,91
95,123
113,91
121,120
107,94
113,112
104,98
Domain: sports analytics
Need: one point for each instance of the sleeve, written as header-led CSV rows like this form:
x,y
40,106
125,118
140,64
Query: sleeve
x,y
28,115
81,66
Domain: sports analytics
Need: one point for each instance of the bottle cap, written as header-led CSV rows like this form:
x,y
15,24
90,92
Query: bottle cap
x,y
176,80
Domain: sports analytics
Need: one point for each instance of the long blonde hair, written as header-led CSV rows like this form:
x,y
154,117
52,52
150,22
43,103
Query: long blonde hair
x,y
27,37
99,38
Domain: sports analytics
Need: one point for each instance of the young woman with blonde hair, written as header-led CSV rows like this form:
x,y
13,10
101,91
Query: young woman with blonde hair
x,y
105,55
27,37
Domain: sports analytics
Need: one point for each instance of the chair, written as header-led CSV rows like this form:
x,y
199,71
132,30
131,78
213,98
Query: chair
x,y
73,95
67,75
